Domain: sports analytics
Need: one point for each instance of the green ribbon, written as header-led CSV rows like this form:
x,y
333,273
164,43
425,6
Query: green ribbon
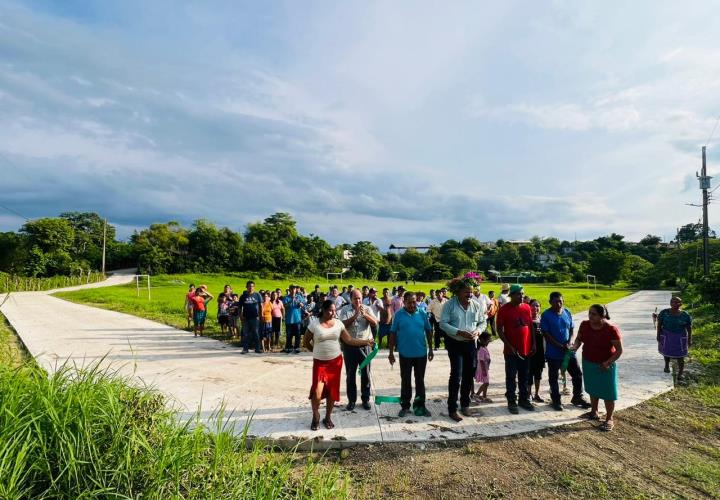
x,y
368,358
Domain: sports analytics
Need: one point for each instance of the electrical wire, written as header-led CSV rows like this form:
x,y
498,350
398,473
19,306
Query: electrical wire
x,y
713,131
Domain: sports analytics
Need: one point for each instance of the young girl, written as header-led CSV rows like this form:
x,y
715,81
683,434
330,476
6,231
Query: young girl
x,y
482,372
267,330
222,313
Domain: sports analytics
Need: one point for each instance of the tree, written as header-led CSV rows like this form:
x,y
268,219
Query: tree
x,y
12,252
650,240
366,259
607,265
458,261
692,232
88,227
50,241
162,248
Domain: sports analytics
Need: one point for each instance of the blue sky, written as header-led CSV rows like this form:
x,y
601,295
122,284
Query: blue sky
x,y
405,122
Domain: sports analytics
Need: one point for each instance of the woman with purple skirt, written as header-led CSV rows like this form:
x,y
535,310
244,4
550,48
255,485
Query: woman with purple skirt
x,y
674,334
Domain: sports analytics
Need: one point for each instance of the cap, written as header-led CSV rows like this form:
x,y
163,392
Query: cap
x,y
505,287
372,289
515,289
401,287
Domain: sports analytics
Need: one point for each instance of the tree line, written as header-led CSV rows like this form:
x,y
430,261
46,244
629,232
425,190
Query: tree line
x,y
72,243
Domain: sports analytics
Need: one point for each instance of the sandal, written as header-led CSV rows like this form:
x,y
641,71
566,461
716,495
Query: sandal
x,y
328,423
486,400
607,426
588,415
314,425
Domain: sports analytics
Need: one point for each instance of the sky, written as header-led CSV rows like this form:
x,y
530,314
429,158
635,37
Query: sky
x,y
405,122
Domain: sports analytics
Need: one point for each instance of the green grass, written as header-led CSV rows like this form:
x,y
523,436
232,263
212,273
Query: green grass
x,y
168,295
11,283
699,467
89,433
12,352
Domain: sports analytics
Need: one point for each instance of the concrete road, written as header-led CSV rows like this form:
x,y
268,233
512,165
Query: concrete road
x,y
200,374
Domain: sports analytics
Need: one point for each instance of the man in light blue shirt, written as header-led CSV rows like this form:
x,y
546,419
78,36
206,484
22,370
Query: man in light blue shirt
x,y
412,334
462,321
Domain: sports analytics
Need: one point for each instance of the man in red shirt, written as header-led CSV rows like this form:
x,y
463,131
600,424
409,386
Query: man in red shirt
x,y
514,325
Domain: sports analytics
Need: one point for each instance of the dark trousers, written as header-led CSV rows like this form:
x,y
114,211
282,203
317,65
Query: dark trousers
x,y
462,370
250,333
407,366
516,367
493,327
438,334
292,331
353,356
276,323
575,373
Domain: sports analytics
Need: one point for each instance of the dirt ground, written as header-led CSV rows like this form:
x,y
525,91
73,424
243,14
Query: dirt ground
x,y
650,453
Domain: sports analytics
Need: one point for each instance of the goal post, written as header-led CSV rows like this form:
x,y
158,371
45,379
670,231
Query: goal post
x,y
589,277
137,283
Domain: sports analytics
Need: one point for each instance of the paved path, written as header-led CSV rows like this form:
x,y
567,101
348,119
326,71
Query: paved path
x,y
199,372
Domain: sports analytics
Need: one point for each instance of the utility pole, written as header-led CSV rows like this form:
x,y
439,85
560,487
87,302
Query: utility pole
x,y
104,237
705,185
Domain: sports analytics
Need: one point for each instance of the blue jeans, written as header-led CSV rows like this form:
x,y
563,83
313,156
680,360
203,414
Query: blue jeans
x,y
462,370
250,334
575,373
516,367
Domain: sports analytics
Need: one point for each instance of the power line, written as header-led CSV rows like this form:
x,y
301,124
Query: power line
x,y
713,131
14,212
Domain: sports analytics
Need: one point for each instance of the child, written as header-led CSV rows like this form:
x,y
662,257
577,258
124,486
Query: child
x,y
200,301
233,315
189,304
266,326
482,372
222,314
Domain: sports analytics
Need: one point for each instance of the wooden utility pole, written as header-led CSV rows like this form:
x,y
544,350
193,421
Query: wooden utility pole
x,y
705,185
103,253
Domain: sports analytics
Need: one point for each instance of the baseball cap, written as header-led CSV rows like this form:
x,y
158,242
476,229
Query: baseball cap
x,y
515,289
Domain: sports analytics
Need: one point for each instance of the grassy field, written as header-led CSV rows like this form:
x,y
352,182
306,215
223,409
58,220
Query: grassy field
x,y
168,294
90,433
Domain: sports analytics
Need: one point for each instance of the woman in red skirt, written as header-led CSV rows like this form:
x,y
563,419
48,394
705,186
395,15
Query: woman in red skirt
x,y
323,339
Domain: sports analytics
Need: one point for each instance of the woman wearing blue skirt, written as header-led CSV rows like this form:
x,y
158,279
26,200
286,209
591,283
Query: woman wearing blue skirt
x,y
602,346
674,335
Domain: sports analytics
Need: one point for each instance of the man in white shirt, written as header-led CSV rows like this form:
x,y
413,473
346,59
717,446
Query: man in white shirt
x,y
358,320
504,296
435,309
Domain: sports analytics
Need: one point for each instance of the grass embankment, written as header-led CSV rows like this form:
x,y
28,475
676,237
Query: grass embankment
x,y
168,294
666,447
92,434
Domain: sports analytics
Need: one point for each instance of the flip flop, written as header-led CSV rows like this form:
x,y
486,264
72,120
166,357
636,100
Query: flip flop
x,y
328,423
607,426
314,425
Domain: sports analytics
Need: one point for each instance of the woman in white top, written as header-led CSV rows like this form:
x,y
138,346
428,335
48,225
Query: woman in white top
x,y
323,339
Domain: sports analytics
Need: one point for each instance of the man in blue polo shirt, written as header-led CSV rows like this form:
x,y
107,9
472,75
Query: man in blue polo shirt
x,y
412,334
294,306
557,327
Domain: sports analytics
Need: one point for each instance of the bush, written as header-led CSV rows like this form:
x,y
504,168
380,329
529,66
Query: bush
x,y
90,434
709,286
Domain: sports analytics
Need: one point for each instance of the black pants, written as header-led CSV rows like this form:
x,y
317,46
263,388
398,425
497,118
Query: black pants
x,y
407,366
575,373
353,357
515,366
290,332
493,327
276,323
438,334
462,369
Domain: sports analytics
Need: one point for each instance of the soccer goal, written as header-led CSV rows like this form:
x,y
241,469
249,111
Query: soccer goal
x,y
589,277
334,275
138,278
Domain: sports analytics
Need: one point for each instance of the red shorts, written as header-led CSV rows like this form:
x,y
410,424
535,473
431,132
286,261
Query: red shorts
x,y
328,373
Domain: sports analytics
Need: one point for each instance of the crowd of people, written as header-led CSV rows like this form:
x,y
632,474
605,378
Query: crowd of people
x,y
343,326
